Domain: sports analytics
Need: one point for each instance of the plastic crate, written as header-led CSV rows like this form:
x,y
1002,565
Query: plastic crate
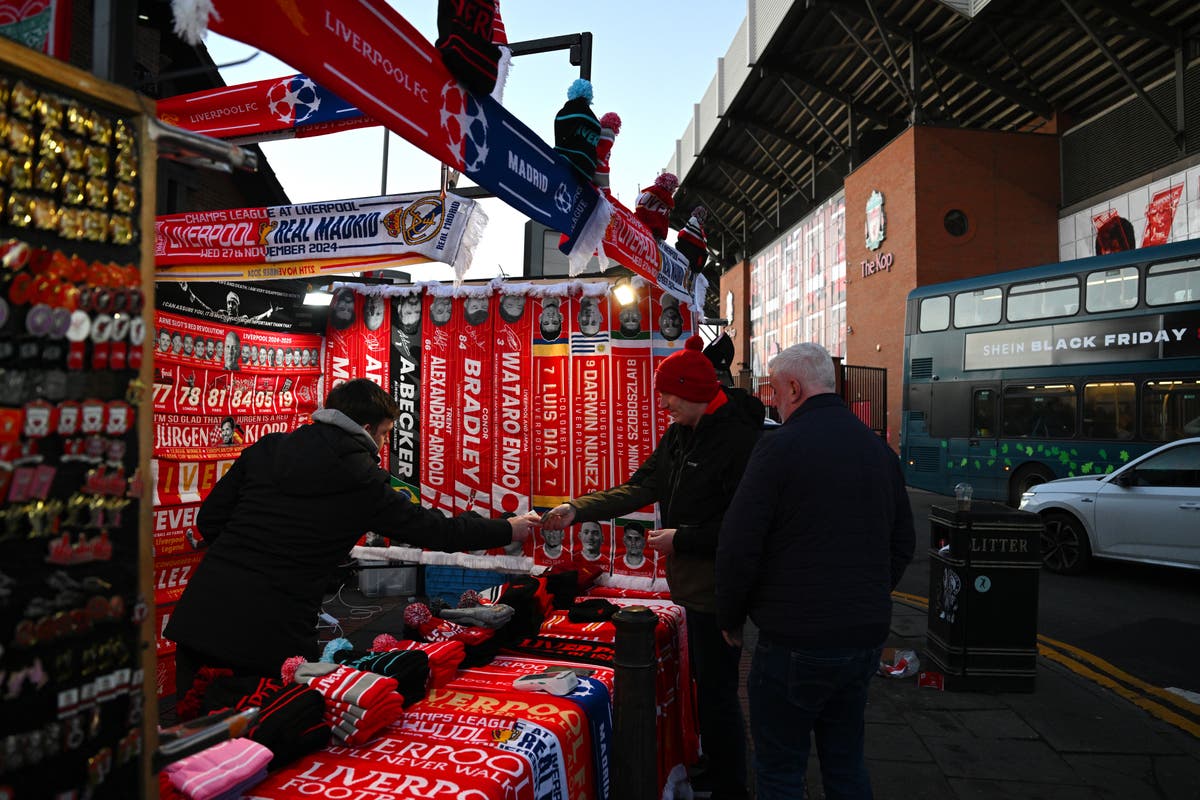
x,y
448,583
381,580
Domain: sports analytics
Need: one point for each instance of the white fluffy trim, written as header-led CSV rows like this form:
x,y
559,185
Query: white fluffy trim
x,y
191,19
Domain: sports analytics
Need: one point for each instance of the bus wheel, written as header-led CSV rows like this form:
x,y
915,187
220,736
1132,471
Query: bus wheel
x,y
1065,546
1024,479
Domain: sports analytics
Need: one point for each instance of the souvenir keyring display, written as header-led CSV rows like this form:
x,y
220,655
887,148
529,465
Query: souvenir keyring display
x,y
76,214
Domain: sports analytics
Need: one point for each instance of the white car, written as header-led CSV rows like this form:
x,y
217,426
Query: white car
x,y
1147,511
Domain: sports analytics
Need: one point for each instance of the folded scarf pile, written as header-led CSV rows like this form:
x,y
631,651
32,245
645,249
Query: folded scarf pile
x,y
357,704
290,718
409,668
231,766
444,657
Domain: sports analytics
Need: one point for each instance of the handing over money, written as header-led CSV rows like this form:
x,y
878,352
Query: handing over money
x,y
523,525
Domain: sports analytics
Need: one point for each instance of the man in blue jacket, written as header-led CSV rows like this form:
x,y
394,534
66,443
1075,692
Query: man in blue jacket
x,y
817,536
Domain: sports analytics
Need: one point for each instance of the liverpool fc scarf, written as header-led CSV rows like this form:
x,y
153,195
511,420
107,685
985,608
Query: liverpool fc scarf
x,y
372,57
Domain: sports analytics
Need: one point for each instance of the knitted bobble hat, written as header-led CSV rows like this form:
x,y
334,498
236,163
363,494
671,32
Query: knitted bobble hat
x,y
611,121
688,374
668,181
580,87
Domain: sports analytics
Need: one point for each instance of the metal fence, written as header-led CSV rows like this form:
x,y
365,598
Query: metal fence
x,y
863,388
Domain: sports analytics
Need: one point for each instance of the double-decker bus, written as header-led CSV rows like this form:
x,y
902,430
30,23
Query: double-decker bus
x,y
1016,378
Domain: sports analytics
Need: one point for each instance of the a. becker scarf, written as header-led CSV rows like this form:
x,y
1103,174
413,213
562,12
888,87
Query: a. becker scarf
x,y
372,57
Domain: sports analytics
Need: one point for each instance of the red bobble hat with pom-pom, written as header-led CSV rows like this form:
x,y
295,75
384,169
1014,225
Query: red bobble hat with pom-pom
x,y
688,374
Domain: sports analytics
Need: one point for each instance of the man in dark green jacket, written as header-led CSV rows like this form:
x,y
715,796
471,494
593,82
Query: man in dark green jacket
x,y
283,518
692,475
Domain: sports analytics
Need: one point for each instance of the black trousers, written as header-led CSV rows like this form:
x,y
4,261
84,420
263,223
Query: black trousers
x,y
722,727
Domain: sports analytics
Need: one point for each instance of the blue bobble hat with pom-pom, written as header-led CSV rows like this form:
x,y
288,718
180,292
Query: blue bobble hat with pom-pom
x,y
580,87
688,374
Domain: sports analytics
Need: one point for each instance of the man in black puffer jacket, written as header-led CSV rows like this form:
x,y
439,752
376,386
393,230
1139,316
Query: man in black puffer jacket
x,y
282,519
692,475
816,538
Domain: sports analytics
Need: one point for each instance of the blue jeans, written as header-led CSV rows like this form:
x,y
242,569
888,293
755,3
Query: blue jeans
x,y
795,692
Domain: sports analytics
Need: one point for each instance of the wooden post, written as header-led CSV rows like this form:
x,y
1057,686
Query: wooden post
x,y
635,738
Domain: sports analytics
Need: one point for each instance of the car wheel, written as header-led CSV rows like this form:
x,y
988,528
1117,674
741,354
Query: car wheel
x,y
1065,546
1025,479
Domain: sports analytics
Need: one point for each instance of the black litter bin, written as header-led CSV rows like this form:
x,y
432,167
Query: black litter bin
x,y
983,597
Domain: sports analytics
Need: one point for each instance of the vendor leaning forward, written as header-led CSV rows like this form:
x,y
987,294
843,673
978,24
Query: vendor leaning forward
x,y
283,518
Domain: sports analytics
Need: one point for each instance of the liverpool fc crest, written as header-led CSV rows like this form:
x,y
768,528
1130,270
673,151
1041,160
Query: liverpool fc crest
x,y
876,227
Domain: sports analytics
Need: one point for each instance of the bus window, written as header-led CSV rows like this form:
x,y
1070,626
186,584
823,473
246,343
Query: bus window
x,y
1112,289
1170,409
1040,412
981,307
935,313
1173,283
983,413
1056,298
1108,410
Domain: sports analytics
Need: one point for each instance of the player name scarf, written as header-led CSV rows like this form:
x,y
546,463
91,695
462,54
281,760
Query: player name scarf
x,y
512,377
551,404
438,404
372,57
422,225
405,445
358,342
472,374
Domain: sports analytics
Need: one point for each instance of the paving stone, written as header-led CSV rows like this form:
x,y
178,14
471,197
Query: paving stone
x,y
982,724
1024,790
894,743
1075,717
999,759
1140,775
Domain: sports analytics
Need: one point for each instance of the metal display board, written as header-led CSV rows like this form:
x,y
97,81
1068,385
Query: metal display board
x,y
77,181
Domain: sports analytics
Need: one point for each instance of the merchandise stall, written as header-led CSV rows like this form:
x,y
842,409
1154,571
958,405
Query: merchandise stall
x,y
514,396
77,177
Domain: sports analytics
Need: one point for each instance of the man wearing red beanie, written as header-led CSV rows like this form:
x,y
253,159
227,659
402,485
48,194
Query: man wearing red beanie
x,y
692,475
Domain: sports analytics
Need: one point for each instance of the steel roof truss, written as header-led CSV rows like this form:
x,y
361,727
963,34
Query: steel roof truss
x,y
1176,134
749,201
815,116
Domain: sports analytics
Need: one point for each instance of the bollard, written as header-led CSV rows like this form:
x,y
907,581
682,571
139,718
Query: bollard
x,y
635,710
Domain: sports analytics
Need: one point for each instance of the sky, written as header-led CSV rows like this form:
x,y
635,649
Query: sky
x,y
652,60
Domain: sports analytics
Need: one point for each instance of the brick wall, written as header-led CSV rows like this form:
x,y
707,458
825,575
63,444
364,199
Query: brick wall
x,y
1007,186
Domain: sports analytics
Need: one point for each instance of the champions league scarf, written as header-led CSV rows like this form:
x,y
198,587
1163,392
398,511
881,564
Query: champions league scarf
x,y
317,238
535,743
559,715
593,695
366,52
293,106
512,378
472,375
438,327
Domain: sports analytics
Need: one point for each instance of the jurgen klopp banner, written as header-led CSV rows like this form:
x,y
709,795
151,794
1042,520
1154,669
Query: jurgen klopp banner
x,y
372,57
396,225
